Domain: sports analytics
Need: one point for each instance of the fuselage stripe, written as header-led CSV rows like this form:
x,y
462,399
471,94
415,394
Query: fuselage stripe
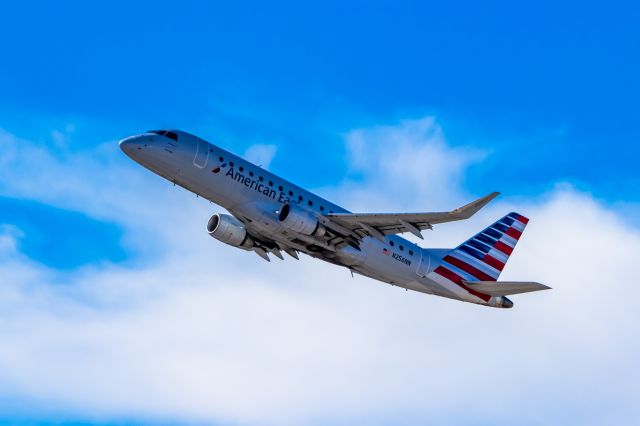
x,y
500,227
513,233
486,239
455,278
506,221
492,261
476,263
480,246
503,248
518,225
469,269
493,233
471,251
510,241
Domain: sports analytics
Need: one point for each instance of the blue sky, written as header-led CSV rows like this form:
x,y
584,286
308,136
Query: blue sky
x,y
550,91
554,85
536,100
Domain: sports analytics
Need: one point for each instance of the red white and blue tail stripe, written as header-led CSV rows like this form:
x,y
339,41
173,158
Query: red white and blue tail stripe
x,y
483,257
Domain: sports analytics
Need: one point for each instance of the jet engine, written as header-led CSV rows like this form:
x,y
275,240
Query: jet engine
x,y
298,219
229,230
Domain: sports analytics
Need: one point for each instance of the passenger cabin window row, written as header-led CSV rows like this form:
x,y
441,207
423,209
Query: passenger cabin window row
x,y
280,188
260,178
392,243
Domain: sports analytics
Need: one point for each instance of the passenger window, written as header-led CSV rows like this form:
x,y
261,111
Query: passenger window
x,y
321,208
231,163
310,202
270,183
290,193
391,243
280,188
251,174
401,248
410,252
221,159
261,179
299,197
241,169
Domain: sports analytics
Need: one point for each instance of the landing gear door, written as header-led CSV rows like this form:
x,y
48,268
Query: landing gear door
x,y
425,263
202,154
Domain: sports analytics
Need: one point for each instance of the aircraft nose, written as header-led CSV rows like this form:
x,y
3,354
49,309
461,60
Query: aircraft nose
x,y
129,145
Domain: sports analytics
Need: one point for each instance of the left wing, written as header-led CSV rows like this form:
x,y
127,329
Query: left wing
x,y
378,225
349,228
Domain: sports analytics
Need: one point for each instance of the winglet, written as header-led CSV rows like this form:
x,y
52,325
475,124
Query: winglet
x,y
465,212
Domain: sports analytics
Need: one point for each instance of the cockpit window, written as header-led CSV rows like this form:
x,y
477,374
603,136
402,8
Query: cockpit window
x,y
169,134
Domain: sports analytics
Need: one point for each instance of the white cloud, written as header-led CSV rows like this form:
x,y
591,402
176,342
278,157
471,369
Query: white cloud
x,y
9,235
207,333
60,138
261,154
405,166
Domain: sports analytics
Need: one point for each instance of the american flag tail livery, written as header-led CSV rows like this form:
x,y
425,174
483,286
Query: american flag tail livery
x,y
475,265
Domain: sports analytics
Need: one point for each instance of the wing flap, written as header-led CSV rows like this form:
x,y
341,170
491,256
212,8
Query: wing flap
x,y
505,288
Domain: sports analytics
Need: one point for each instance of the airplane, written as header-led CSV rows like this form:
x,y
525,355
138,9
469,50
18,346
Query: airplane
x,y
272,216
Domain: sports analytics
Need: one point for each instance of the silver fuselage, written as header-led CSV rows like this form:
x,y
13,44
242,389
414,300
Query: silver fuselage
x,y
254,196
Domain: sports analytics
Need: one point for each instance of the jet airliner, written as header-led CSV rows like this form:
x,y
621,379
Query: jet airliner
x,y
271,216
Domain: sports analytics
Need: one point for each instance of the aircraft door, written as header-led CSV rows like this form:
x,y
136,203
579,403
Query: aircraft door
x,y
425,263
202,153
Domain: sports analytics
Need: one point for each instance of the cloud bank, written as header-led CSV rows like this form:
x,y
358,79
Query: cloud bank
x,y
195,331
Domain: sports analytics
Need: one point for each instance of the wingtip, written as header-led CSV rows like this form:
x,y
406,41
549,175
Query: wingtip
x,y
493,195
473,207
545,287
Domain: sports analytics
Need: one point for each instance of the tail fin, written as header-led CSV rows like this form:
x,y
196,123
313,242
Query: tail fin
x,y
483,257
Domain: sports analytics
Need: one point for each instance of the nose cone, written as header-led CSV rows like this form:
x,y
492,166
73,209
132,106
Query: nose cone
x,y
129,145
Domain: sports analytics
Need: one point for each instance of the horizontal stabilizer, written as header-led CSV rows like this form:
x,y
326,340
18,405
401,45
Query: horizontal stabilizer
x,y
504,288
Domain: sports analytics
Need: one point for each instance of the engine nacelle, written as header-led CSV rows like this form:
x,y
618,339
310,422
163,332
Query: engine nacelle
x,y
298,219
229,230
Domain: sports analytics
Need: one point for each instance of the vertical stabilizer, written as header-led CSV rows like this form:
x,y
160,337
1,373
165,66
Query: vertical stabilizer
x,y
483,257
